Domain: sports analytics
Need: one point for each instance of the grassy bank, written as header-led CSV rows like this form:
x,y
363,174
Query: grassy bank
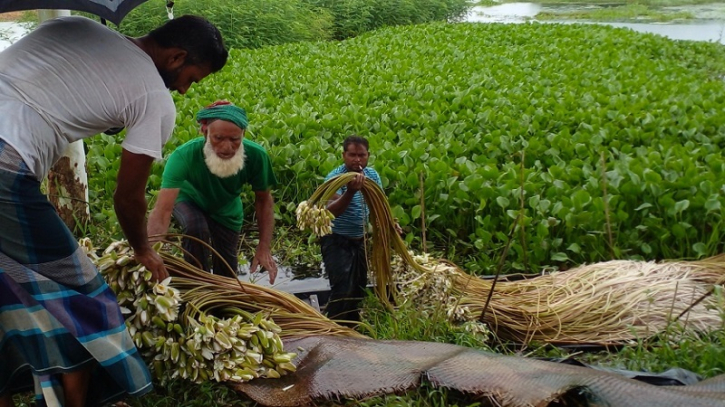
x,y
645,11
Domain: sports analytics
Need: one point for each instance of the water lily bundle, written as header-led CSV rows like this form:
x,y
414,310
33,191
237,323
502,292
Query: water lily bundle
x,y
223,296
181,330
431,289
612,302
313,214
315,217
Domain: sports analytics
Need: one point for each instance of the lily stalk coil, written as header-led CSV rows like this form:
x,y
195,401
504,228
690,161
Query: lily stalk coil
x,y
313,214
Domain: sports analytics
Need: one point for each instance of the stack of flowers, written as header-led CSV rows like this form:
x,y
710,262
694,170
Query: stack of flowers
x,y
178,334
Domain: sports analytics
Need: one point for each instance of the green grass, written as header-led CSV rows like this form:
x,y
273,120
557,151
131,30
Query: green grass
x,y
180,393
628,12
410,323
701,353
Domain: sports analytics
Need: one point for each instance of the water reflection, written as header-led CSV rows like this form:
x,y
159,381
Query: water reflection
x,y
296,280
698,31
702,29
504,13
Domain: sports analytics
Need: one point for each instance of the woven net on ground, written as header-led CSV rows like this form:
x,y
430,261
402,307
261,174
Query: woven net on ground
x,y
331,368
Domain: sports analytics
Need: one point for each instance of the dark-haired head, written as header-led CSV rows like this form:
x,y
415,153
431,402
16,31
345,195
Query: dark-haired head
x,y
201,40
355,139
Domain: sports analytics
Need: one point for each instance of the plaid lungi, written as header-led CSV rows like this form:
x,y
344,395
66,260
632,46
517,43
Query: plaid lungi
x,y
57,314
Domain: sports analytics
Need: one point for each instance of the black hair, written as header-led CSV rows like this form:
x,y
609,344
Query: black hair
x,y
201,40
355,139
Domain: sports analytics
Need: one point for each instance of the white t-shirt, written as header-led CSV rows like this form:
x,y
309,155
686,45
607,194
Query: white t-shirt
x,y
72,78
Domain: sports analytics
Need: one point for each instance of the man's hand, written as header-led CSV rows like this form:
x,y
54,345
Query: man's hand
x,y
357,183
153,262
264,258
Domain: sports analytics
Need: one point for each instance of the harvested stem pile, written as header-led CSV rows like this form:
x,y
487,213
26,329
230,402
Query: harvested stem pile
x,y
604,303
611,302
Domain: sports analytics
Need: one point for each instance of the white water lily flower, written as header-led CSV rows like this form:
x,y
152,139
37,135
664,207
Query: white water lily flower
x,y
161,287
207,353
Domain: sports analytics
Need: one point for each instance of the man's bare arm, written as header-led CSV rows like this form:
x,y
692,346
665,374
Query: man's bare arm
x,y
264,208
339,203
160,217
130,205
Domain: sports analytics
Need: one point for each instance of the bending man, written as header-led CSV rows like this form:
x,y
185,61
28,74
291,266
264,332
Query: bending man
x,y
202,184
69,79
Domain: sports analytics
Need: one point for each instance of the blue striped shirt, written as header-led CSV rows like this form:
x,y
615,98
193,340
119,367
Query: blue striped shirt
x,y
351,223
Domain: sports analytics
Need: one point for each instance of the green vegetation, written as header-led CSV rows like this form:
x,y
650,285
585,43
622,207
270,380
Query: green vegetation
x,y
629,12
259,23
618,132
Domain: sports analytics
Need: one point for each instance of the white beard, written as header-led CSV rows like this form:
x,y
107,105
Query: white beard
x,y
221,167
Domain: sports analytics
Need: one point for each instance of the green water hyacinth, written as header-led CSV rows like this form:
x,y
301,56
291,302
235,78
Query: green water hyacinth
x,y
594,143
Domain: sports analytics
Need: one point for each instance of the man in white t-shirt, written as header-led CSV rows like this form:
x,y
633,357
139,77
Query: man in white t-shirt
x,y
69,79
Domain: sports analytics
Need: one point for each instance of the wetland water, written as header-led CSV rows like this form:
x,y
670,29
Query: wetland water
x,y
708,25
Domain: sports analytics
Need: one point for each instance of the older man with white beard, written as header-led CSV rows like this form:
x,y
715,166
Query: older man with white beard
x,y
202,185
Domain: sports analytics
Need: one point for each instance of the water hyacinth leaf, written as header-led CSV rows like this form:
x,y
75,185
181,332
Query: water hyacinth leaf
x,y
581,199
407,108
700,248
415,212
681,206
713,204
575,248
479,244
678,230
646,248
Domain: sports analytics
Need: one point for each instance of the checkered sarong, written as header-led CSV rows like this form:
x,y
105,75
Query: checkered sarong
x,y
57,314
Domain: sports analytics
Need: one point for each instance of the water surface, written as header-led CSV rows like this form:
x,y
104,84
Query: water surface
x,y
709,24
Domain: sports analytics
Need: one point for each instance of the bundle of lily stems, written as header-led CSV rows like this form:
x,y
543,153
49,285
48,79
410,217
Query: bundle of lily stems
x,y
612,302
200,326
210,291
313,214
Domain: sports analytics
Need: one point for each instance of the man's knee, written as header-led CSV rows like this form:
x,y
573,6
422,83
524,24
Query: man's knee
x,y
198,230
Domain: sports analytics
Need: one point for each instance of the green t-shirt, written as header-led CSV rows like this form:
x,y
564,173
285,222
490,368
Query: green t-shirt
x,y
218,197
